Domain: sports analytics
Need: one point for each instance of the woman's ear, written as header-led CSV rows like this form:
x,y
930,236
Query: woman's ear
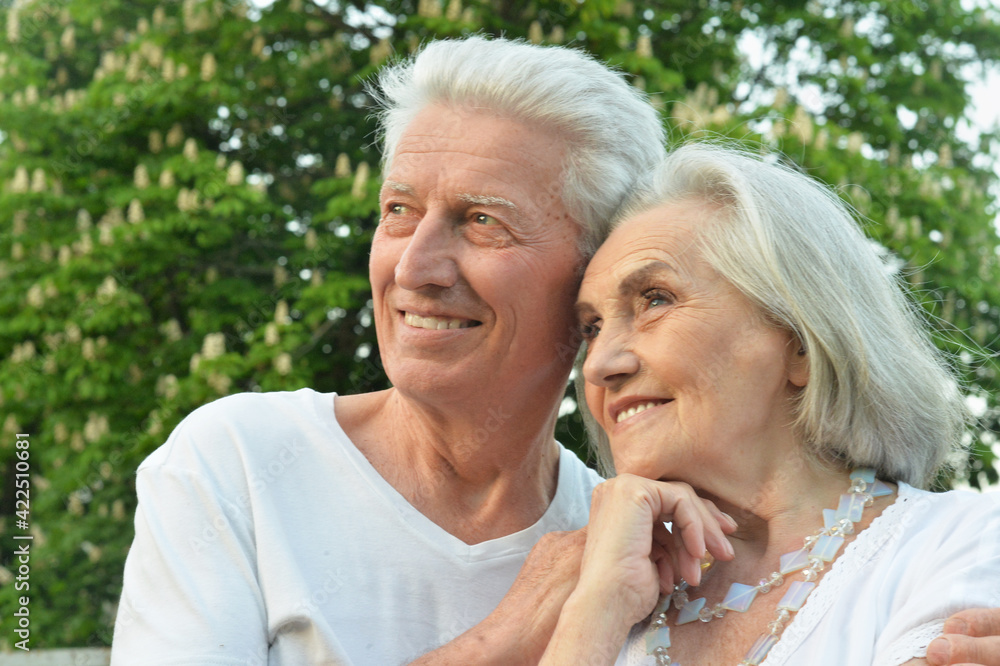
x,y
798,363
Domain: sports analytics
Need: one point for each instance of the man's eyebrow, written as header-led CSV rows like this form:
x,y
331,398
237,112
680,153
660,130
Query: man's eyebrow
x,y
477,199
487,200
402,188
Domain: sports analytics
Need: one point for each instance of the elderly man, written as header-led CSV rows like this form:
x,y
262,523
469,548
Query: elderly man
x,y
299,528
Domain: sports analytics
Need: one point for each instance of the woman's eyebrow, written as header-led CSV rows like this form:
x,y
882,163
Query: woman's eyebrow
x,y
582,309
640,276
631,283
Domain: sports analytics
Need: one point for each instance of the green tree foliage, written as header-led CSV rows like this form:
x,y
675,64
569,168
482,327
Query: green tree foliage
x,y
188,190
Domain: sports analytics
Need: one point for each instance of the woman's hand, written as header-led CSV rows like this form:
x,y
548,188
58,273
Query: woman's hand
x,y
630,559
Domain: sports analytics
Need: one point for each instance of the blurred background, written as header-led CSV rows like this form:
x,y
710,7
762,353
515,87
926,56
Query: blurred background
x,y
188,191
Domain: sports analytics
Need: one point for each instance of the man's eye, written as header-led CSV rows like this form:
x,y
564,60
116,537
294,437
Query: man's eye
x,y
397,209
483,218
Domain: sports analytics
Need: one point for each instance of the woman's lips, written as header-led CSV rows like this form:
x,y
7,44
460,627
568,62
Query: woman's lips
x,y
636,408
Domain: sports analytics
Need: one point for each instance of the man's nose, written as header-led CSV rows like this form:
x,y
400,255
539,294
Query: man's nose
x,y
430,255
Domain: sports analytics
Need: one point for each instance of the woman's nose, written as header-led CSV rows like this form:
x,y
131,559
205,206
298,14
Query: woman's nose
x,y
610,359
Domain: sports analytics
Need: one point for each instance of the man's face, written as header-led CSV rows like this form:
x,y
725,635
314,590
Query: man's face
x,y
475,263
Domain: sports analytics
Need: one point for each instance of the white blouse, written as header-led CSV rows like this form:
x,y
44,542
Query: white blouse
x,y
886,597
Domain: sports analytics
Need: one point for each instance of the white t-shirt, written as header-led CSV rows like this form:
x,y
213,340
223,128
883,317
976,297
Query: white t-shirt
x,y
886,597
263,536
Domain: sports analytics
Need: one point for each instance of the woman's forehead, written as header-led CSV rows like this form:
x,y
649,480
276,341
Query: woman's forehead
x,y
658,234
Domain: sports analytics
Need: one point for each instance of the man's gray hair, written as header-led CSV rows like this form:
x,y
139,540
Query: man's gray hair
x,y
613,134
879,393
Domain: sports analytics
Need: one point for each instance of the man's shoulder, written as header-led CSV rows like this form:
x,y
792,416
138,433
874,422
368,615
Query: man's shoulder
x,y
241,427
576,477
259,404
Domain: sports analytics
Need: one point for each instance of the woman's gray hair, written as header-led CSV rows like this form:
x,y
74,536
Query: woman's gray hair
x,y
613,134
880,394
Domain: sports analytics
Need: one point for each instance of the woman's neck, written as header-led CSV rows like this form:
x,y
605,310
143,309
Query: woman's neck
x,y
769,527
778,520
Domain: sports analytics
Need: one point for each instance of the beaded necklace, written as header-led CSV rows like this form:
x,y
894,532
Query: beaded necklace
x,y
819,549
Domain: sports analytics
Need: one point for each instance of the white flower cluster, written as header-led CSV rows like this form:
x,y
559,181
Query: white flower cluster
x,y
213,346
188,200
95,427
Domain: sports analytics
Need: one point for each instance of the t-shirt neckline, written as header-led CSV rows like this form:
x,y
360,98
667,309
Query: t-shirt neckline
x,y
556,516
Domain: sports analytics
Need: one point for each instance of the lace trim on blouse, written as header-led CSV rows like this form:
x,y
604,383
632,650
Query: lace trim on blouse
x,y
870,544
866,548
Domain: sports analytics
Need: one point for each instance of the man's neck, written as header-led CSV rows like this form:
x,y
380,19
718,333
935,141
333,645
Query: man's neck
x,y
480,473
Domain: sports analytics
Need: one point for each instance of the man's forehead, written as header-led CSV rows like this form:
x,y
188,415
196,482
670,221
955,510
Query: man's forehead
x,y
477,137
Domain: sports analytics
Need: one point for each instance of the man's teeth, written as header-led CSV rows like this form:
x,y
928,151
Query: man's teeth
x,y
632,411
435,323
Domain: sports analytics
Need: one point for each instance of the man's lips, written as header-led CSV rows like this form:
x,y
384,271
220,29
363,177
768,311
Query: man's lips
x,y
632,407
436,323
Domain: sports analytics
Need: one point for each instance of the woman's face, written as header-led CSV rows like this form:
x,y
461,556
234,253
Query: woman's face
x,y
682,371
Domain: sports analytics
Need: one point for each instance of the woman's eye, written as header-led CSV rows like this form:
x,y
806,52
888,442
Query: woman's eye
x,y
656,298
483,218
589,331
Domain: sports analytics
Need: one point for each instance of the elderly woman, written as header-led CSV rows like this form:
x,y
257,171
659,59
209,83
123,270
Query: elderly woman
x,y
747,346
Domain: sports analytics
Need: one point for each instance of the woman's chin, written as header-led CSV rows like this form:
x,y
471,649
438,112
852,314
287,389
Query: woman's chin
x,y
647,469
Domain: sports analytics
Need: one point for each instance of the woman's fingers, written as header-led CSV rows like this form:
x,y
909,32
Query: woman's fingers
x,y
665,556
688,566
664,567
725,521
698,521
626,530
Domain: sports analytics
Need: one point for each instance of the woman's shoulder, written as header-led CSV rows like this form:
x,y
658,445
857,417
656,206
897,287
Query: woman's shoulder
x,y
952,501
952,515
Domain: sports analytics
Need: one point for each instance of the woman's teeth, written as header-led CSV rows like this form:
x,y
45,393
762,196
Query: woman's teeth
x,y
632,411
